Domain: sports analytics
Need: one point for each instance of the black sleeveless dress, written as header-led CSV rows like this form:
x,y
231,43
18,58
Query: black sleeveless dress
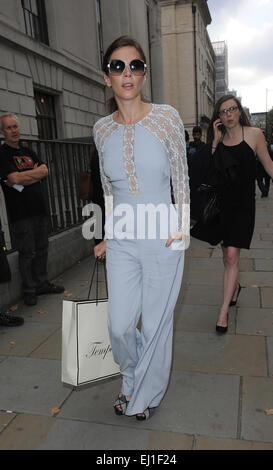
x,y
233,172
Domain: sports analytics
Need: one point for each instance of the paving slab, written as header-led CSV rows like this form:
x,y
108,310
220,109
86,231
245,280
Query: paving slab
x,y
269,343
208,443
108,437
260,224
23,340
210,295
160,440
267,228
249,297
256,279
263,264
199,251
200,277
190,415
81,270
200,318
51,348
267,297
26,432
255,321
47,310
33,386
258,253
76,435
257,397
266,236
5,420
210,264
211,353
200,295
261,244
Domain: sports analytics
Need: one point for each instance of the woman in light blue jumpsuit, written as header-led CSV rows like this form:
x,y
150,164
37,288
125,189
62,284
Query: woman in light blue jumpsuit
x,y
141,148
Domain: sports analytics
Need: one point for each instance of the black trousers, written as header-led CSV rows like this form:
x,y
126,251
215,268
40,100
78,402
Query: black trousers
x,y
30,237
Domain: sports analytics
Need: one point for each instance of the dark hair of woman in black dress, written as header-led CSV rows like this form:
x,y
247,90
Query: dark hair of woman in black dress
x,y
244,121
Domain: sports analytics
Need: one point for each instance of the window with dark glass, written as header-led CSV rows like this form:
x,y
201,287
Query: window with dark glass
x,y
35,19
46,116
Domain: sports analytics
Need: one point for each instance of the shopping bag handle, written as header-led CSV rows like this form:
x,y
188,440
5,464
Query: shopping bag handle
x,y
96,268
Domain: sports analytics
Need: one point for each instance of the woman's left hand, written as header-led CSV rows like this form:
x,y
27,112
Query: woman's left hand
x,y
174,236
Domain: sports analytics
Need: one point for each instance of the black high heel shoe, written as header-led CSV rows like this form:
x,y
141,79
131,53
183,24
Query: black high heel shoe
x,y
222,329
234,302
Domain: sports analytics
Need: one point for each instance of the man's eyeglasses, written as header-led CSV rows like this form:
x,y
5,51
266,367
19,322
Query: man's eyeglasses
x,y
231,110
117,67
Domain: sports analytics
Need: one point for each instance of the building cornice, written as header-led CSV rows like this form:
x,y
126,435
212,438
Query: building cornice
x,y
202,5
165,3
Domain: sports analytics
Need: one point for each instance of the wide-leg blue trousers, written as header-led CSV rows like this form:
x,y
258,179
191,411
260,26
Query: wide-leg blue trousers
x,y
144,278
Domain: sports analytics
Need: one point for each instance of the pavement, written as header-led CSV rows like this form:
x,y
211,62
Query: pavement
x,y
220,395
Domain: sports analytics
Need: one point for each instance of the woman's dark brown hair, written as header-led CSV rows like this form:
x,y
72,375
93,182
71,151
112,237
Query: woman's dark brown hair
x,y
243,118
122,41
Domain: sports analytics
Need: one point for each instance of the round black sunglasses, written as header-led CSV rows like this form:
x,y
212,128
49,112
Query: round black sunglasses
x,y
117,67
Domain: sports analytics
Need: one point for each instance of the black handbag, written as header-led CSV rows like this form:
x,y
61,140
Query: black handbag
x,y
210,204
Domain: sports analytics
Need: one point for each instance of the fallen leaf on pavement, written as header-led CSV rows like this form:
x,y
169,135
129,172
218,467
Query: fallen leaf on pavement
x,y
55,411
67,294
41,311
268,412
14,308
12,342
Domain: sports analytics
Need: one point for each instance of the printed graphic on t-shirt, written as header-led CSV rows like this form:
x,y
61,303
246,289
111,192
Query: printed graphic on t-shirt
x,y
23,163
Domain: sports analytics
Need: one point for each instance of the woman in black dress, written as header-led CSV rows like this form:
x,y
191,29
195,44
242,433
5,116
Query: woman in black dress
x,y
230,159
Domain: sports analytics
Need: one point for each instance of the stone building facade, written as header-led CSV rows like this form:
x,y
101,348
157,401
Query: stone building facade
x,y
50,60
188,60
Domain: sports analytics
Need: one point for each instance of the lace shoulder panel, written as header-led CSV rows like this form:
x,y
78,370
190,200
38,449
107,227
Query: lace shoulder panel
x,y
160,121
102,130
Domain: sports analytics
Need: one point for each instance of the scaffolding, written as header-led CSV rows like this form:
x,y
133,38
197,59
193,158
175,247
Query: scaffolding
x,y
221,68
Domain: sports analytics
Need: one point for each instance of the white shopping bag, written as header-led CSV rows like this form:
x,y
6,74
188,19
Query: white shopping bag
x,y
86,349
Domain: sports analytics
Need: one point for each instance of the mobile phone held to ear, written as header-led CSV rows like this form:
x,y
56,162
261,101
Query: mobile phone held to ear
x,y
221,128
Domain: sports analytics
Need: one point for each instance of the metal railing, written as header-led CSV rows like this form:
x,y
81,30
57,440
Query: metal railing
x,y
64,160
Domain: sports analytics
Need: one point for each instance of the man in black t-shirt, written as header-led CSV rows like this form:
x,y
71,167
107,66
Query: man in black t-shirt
x,y
21,173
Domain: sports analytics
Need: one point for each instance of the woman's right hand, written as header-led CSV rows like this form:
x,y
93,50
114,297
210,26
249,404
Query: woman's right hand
x,y
217,132
100,250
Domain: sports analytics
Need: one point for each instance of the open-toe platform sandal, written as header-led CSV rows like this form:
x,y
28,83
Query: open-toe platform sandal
x,y
120,405
148,413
